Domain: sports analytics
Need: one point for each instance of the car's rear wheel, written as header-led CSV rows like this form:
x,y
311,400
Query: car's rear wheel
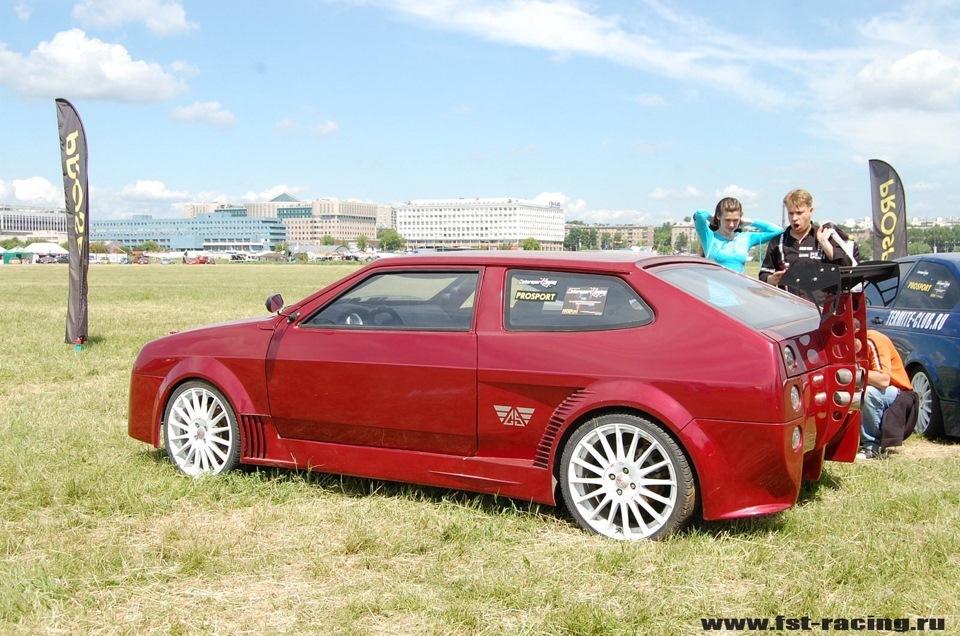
x,y
200,430
929,418
623,477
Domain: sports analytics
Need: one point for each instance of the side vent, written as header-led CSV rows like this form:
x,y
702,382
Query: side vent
x,y
560,415
253,442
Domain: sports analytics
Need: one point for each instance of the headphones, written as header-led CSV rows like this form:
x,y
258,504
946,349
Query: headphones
x,y
718,213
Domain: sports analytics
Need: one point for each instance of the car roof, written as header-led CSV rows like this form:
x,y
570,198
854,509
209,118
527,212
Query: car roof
x,y
608,259
952,257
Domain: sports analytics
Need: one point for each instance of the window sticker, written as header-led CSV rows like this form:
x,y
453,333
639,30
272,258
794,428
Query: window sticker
x,y
544,282
539,296
584,301
940,289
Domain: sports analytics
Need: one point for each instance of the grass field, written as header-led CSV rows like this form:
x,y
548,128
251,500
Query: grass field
x,y
100,535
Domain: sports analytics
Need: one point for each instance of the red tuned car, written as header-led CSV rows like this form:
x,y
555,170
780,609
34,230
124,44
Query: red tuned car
x,y
633,389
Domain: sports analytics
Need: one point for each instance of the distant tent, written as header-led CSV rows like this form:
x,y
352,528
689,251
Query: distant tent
x,y
18,255
46,248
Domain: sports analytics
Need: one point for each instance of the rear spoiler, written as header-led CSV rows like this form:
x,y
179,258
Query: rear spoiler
x,y
817,281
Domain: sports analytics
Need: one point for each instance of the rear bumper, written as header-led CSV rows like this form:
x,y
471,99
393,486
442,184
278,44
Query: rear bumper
x,y
745,469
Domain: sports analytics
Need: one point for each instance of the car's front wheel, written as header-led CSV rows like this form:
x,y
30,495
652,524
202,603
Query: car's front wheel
x,y
623,477
200,430
929,418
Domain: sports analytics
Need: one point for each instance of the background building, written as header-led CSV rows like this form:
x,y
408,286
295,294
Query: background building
x,y
207,232
25,222
609,236
309,221
342,220
479,223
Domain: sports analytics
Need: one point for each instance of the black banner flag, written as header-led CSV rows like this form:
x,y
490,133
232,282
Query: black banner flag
x,y
73,156
889,212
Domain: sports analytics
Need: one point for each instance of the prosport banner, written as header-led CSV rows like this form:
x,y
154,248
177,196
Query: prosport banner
x,y
889,212
73,156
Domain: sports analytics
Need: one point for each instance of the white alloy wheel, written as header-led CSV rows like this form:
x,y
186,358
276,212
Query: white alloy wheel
x,y
200,430
623,477
929,418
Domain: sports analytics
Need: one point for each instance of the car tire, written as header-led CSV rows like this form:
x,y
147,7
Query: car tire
x,y
624,477
929,417
200,430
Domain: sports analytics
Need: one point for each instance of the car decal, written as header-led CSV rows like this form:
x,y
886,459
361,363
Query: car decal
x,y
544,282
513,415
925,320
535,295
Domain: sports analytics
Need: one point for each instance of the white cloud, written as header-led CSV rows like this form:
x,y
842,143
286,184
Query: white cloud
x,y
660,194
524,151
922,137
210,196
462,109
741,194
291,125
206,113
324,129
32,191
927,80
570,27
147,190
23,11
83,67
158,16
649,100
569,204
611,217
271,193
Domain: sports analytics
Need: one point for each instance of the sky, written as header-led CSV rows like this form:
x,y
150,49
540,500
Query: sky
x,y
625,111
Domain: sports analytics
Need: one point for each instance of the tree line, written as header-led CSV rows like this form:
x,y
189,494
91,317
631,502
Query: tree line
x,y
921,240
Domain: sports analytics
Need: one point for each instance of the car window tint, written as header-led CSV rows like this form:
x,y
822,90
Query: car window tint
x,y
433,301
562,301
747,299
929,286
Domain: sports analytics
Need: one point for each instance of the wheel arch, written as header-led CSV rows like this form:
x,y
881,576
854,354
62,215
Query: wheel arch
x,y
598,410
210,371
918,364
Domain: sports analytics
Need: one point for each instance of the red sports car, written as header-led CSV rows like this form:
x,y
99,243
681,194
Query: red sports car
x,y
633,389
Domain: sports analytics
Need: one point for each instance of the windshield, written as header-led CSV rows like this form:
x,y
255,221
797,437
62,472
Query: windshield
x,y
748,300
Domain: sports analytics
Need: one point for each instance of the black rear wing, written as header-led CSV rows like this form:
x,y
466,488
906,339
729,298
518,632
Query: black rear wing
x,y
818,281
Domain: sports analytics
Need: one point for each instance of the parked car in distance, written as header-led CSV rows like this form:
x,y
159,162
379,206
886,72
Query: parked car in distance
x,y
921,315
633,389
47,258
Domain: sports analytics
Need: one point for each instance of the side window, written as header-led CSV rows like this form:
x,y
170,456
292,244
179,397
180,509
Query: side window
x,y
561,301
929,286
430,301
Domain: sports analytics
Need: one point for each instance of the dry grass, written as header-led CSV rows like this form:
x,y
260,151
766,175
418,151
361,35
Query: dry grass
x,y
99,535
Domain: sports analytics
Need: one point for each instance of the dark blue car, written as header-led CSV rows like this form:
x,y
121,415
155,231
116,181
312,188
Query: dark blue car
x,y
921,315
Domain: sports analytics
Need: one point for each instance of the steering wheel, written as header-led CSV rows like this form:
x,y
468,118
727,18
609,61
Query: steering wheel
x,y
393,315
358,317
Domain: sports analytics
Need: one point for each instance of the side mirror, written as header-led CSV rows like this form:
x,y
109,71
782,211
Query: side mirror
x,y
274,303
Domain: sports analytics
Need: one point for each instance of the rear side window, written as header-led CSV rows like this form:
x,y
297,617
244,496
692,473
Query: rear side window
x,y
747,299
929,286
563,301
